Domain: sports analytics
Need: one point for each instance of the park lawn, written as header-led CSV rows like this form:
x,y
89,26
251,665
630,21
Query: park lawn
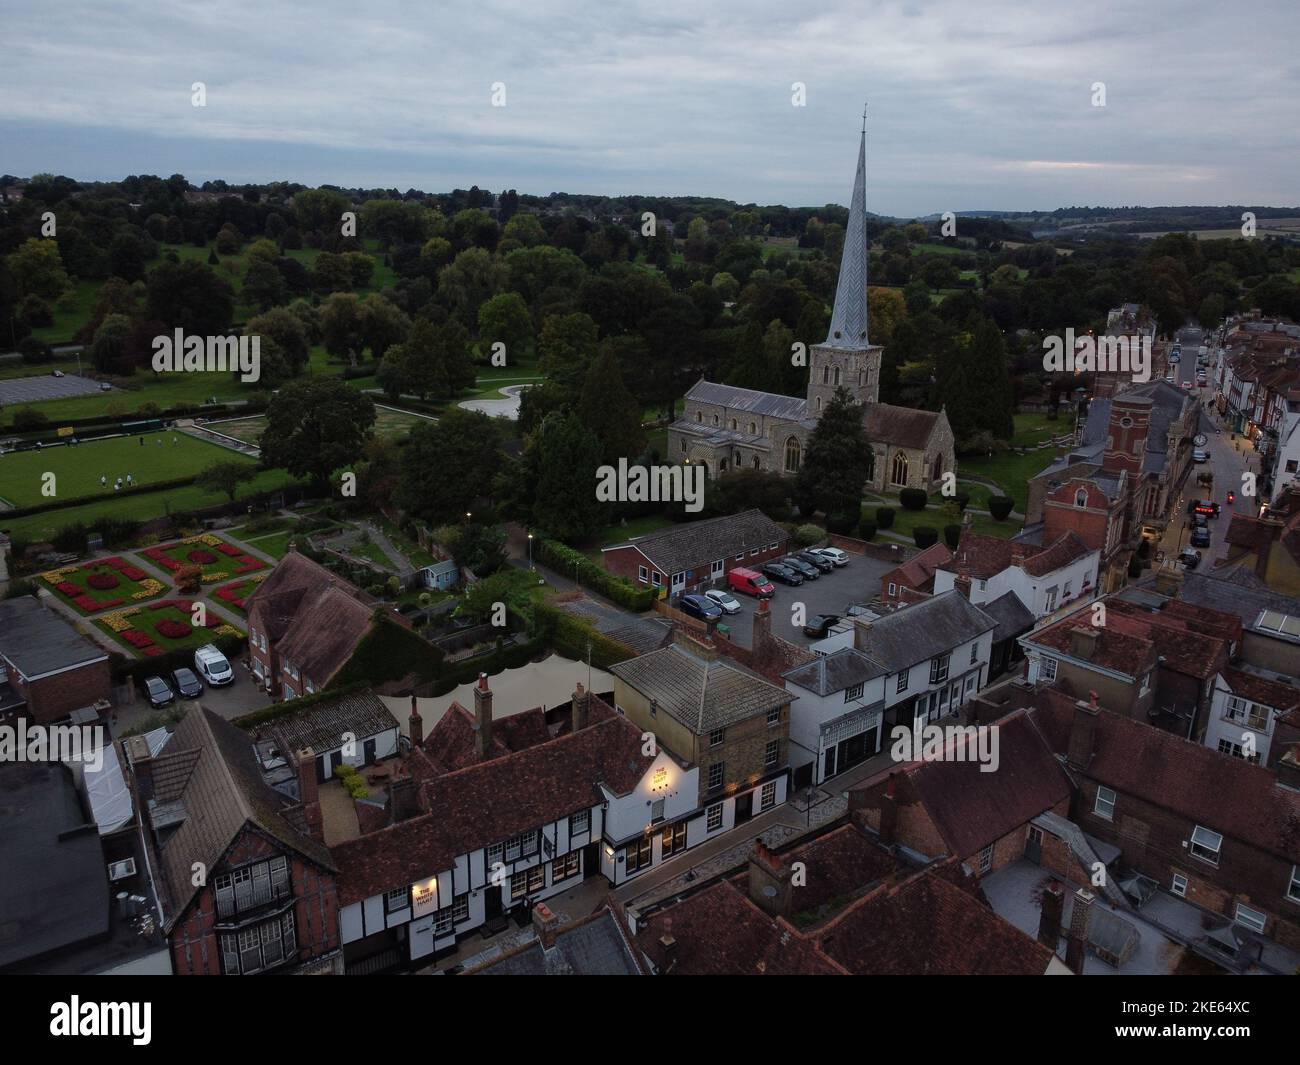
x,y
1010,470
125,583
69,318
164,456
166,390
1033,429
905,521
234,594
944,249
276,544
617,534
140,507
137,628
217,558
17,368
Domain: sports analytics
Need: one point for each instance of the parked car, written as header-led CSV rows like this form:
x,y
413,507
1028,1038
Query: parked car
x,y
819,625
58,373
1200,455
211,665
808,571
1201,537
158,692
1175,358
784,574
1207,507
187,685
1200,521
1189,557
814,558
104,386
837,556
699,606
723,600
750,582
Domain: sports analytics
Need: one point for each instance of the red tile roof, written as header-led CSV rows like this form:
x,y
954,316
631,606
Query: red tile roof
x,y
919,570
1180,647
1069,548
1126,652
1261,690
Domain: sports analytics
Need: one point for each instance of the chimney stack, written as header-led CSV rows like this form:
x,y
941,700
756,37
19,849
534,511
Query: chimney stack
x,y
861,633
416,724
1049,917
546,924
762,628
889,814
581,705
309,793
771,882
141,761
1076,944
1083,641
482,718
1083,733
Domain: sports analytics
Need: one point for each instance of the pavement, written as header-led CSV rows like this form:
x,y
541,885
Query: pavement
x,y
498,408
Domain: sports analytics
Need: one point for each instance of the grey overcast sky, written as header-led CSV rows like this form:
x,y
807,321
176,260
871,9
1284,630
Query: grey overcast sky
x,y
973,104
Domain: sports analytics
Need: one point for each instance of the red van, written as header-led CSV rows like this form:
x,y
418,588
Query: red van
x,y
751,582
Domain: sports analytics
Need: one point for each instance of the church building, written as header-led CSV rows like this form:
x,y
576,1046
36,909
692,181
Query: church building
x,y
727,428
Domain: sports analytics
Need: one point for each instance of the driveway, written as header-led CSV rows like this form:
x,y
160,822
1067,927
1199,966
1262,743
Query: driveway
x,y
498,408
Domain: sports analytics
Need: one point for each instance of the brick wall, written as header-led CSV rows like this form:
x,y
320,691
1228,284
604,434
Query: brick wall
x,y
743,750
51,698
881,552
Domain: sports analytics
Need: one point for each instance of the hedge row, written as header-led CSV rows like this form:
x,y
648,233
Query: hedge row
x,y
570,635
568,562
511,657
78,501
185,410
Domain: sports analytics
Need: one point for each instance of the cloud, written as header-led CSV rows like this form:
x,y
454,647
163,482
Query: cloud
x,y
971,106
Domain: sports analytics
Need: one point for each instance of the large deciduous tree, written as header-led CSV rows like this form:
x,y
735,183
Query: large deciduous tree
x,y
315,426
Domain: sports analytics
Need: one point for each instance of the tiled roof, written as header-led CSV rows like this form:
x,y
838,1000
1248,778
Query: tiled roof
x,y
1115,648
1248,532
834,672
593,946
210,768
450,743
1228,795
696,544
492,801
922,630
702,694
902,426
918,570
322,725
1067,549
323,635
1179,646
1261,690
972,809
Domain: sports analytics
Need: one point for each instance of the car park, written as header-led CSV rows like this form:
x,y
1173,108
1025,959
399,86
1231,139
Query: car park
x,y
699,606
1189,557
806,570
1201,537
750,582
158,692
723,600
840,558
212,666
819,625
784,574
186,684
815,558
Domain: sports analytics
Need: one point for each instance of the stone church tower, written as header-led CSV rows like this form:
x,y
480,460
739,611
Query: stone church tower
x,y
846,358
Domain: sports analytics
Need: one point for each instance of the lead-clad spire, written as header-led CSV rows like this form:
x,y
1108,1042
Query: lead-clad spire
x,y
849,316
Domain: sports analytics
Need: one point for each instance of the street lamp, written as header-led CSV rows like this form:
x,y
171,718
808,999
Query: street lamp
x,y
530,551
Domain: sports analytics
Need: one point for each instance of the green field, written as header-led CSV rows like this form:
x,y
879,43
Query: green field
x,y
389,422
77,470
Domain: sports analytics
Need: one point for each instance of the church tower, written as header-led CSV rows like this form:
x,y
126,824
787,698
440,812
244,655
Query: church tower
x,y
846,358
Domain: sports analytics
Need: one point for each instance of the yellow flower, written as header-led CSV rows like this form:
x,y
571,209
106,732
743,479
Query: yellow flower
x,y
208,578
228,630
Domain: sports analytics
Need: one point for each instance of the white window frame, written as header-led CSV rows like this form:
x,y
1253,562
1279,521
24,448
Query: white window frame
x,y
1046,668
1193,843
854,692
986,859
1104,804
1178,885
893,589
1255,920
642,574
713,818
767,796
901,684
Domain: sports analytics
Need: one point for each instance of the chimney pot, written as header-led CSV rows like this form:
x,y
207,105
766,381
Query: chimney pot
x,y
546,924
416,724
580,708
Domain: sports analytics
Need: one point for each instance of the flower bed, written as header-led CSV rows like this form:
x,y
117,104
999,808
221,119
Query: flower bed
x,y
236,592
102,584
218,559
163,626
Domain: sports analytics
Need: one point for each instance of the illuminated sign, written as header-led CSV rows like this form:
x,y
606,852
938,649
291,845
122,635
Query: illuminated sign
x,y
660,778
424,897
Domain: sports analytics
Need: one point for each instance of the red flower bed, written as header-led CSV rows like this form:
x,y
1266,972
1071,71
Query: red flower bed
x,y
229,549
69,589
173,629
102,581
134,573
201,556
154,650
136,638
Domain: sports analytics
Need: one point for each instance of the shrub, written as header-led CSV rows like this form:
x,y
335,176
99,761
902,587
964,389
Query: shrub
x,y
962,499
35,312
571,563
807,535
20,587
1001,507
925,536
35,351
885,517
867,530
102,581
913,498
394,586
840,523
26,419
952,535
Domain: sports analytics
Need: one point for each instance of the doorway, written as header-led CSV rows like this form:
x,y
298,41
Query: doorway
x,y
744,807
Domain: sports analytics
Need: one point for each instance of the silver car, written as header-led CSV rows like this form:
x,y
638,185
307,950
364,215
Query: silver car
x,y
722,599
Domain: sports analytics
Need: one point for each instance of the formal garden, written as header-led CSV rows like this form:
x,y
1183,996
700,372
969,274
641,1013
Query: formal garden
x,y
103,584
235,593
167,625
216,559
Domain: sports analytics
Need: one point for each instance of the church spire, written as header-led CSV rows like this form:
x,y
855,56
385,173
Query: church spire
x,y
849,315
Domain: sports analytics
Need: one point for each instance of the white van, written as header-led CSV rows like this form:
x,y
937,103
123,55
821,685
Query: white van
x,y
212,666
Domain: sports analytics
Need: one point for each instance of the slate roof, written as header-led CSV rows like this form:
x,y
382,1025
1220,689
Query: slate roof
x,y
696,544
1228,795
40,641
769,404
971,809
834,672
210,768
922,630
594,946
1062,552
321,726
54,889
1237,592
702,694
848,328
492,801
1013,618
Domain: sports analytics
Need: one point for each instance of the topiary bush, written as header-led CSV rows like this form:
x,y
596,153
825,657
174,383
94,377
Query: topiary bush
x,y
913,498
962,499
807,535
952,535
885,517
925,536
867,530
1001,507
